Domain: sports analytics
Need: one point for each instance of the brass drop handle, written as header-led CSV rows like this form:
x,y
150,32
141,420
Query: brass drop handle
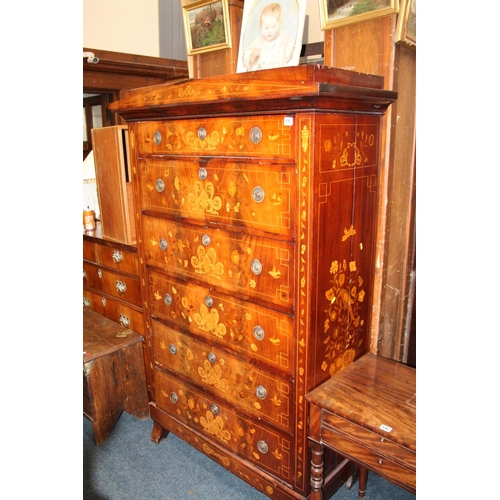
x,y
202,173
258,194
117,256
202,133
84,274
99,273
261,392
163,244
256,267
121,287
262,447
211,357
86,302
157,137
205,239
255,135
174,398
172,349
167,298
209,302
214,409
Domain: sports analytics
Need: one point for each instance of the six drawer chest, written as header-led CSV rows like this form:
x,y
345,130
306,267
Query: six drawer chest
x,y
255,202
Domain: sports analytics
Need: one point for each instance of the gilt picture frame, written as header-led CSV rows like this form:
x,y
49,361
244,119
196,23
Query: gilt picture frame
x,y
406,27
336,13
206,25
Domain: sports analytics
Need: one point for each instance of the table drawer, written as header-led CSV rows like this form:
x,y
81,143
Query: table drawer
x,y
118,285
121,260
248,266
249,195
381,445
254,137
381,464
115,310
89,251
258,443
251,331
240,382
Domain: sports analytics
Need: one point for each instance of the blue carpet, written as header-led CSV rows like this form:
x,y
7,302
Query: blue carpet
x,y
129,466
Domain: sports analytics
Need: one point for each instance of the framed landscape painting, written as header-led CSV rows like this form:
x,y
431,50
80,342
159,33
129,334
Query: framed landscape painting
x,y
406,28
206,25
335,13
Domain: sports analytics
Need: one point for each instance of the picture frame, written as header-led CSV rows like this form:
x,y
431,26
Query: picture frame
x,y
406,27
335,13
279,49
206,25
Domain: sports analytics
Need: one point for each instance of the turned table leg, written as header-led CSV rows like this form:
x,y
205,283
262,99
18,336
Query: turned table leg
x,y
363,475
316,470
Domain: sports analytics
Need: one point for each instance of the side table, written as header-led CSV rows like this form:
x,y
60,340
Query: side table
x,y
366,413
114,378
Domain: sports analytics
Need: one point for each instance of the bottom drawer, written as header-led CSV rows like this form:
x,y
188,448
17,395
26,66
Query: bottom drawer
x,y
115,310
381,465
260,444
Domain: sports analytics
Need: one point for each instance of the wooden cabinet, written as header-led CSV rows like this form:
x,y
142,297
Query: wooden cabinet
x,y
111,283
256,198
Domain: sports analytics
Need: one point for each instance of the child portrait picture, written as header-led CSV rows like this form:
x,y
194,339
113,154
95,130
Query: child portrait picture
x,y
271,34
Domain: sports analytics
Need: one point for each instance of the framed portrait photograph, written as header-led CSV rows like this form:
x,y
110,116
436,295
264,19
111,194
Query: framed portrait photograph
x,y
335,13
271,34
406,28
206,25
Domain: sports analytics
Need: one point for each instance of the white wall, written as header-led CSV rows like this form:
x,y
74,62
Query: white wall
x,y
129,26
132,26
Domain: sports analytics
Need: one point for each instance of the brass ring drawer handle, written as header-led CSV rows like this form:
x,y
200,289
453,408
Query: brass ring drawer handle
x,y
172,349
258,194
255,135
209,302
117,256
211,357
256,267
159,185
124,320
157,137
202,133
167,298
202,173
258,332
261,392
214,409
262,447
163,244
121,287
174,398
86,302
205,239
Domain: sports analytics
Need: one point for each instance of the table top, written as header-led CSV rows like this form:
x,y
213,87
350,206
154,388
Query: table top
x,y
102,336
376,393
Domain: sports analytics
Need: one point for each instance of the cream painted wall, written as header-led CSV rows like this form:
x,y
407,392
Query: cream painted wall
x,y
129,26
132,26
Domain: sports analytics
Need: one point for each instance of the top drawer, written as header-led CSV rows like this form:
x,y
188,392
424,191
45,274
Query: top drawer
x,y
264,136
121,260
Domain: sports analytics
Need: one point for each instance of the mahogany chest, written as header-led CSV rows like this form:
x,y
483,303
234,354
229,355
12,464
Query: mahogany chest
x,y
255,198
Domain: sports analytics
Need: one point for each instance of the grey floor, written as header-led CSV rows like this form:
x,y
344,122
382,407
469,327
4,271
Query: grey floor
x,y
129,466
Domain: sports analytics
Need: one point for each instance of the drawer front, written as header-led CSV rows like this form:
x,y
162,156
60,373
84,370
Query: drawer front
x,y
121,260
115,310
394,472
381,445
254,195
253,332
264,395
118,285
259,136
249,438
248,266
89,251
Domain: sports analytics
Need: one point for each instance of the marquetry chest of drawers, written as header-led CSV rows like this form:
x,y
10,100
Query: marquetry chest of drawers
x,y
256,198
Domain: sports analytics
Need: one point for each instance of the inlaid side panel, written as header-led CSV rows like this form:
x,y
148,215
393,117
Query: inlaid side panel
x,y
247,195
253,137
254,332
248,266
265,395
250,439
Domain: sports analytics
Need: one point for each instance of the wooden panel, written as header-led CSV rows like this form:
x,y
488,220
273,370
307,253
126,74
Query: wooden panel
x,y
112,165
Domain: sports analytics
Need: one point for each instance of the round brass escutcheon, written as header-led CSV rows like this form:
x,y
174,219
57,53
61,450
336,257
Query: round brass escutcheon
x,y
202,173
163,244
261,392
159,185
205,239
258,194
202,133
255,135
117,256
172,349
157,137
262,447
173,397
214,409
124,320
167,298
256,267
211,357
209,302
258,332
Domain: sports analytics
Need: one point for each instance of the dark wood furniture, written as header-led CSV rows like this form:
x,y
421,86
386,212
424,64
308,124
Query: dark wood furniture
x,y
113,374
366,413
255,200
